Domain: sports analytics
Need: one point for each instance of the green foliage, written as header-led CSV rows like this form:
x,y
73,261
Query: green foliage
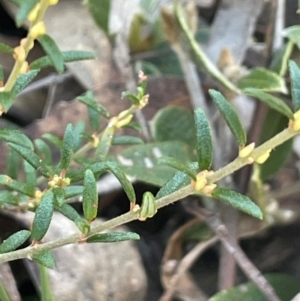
x,y
90,196
230,116
53,52
14,241
238,201
286,287
112,237
204,140
295,82
45,258
66,151
4,48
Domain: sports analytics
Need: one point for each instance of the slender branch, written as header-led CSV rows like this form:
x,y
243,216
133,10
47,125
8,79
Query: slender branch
x,y
162,202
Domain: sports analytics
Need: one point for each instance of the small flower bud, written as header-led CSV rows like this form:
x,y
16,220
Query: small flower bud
x,y
264,157
37,30
247,150
34,12
201,180
208,189
19,54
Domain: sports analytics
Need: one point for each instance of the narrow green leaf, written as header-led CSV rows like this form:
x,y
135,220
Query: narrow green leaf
x,y
30,174
134,125
79,130
72,191
1,75
113,237
230,116
148,206
94,119
53,139
120,175
134,100
16,137
14,241
24,9
90,100
6,100
178,165
126,140
100,11
174,123
17,186
238,201
69,212
272,101
43,150
23,81
59,195
263,79
13,164
104,145
32,159
4,48
66,151
295,83
90,196
53,52
68,56
204,140
179,180
45,258
43,216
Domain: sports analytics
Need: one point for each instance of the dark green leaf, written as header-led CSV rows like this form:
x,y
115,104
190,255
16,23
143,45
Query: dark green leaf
x,y
113,237
53,52
204,140
178,165
14,241
6,100
53,139
43,216
274,123
23,81
272,101
94,119
286,287
32,159
134,125
263,79
69,212
16,137
238,201
179,180
90,196
79,130
17,186
4,48
66,151
59,195
30,174
230,116
145,160
100,11
72,191
125,140
90,100
174,123
68,56
24,9
43,150
120,175
104,145
295,83
44,258
13,164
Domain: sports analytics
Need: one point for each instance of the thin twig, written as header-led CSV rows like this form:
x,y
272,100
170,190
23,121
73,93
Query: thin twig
x,y
242,260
